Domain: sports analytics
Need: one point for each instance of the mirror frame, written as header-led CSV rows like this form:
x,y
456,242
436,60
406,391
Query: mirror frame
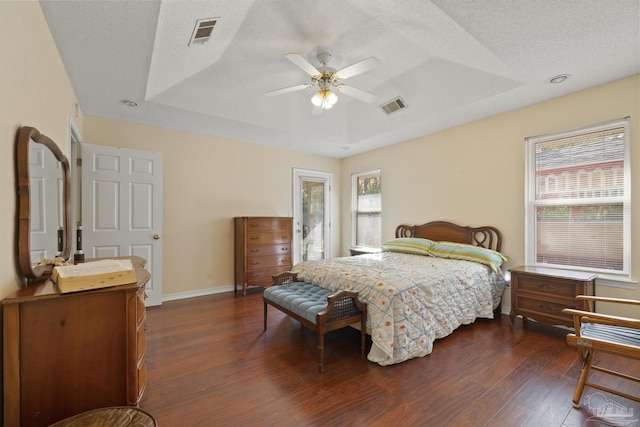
x,y
26,134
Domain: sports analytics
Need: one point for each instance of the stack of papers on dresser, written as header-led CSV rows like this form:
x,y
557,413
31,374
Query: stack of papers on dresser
x,y
94,275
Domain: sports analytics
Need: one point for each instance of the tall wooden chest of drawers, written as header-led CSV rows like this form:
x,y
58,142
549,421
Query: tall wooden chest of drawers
x,y
262,249
542,293
69,353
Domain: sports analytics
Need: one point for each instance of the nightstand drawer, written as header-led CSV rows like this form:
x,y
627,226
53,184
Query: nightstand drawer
x,y
547,286
543,307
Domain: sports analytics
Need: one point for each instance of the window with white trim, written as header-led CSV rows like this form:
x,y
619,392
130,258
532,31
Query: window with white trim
x,y
579,200
366,197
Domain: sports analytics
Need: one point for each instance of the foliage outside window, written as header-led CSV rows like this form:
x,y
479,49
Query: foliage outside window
x,y
367,209
578,203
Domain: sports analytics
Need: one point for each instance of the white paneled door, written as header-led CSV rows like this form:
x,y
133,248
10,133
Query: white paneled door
x,y
45,175
122,208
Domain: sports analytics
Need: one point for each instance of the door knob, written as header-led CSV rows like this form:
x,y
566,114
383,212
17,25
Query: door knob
x,y
156,237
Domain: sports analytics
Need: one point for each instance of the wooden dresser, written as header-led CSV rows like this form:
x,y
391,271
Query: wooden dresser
x,y
262,249
68,353
541,294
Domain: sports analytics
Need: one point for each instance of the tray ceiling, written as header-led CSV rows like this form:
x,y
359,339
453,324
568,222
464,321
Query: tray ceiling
x,y
450,61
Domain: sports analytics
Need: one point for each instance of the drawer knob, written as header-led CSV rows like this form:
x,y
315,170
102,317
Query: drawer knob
x,y
146,327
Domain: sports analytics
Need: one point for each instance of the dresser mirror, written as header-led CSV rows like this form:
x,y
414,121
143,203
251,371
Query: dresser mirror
x,y
44,203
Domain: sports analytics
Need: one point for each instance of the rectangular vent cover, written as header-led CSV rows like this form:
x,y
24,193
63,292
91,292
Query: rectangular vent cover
x,y
202,31
393,105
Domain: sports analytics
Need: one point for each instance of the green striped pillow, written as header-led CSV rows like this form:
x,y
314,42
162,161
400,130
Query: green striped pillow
x,y
466,252
409,245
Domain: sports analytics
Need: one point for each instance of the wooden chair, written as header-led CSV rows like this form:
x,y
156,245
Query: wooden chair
x,y
595,332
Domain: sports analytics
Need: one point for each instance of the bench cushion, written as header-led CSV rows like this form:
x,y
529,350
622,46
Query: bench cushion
x,y
304,299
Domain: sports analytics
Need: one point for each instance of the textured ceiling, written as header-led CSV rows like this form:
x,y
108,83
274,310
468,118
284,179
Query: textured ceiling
x,y
451,61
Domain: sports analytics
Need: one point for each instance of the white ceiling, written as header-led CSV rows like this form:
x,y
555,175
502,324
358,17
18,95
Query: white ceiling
x,y
451,61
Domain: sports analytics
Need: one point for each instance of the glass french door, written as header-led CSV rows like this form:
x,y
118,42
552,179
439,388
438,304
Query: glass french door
x,y
311,218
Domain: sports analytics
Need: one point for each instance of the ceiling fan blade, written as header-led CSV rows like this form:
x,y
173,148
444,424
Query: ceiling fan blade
x,y
302,63
357,93
286,90
359,67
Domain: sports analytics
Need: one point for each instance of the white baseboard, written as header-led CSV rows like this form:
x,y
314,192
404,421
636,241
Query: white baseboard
x,y
198,293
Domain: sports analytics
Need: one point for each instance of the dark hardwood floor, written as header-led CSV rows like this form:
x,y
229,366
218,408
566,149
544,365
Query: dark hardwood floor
x,y
211,364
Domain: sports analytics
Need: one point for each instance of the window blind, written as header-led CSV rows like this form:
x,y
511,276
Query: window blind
x,y
367,209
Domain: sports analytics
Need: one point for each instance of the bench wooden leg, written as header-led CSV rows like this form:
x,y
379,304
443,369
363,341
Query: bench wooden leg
x,y
321,351
265,315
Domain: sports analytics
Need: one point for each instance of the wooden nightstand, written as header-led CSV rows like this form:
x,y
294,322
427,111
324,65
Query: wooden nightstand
x,y
541,294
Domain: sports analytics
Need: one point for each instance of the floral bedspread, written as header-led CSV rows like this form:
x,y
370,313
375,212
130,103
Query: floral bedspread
x,y
412,299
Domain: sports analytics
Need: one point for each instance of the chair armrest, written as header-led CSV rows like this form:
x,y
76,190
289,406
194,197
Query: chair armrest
x,y
580,316
284,278
607,299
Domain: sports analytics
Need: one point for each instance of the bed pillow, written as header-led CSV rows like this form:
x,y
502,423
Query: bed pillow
x,y
466,252
409,245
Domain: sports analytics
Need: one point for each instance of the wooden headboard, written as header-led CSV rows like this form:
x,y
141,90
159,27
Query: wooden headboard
x,y
486,237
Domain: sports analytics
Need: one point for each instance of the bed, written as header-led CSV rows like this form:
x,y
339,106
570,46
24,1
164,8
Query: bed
x,y
427,281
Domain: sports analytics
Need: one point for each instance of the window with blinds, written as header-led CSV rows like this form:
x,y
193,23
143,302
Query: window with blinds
x,y
578,204
367,209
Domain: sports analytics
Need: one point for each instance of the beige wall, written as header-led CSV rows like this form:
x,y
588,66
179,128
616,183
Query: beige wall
x,y
34,91
471,174
208,181
474,174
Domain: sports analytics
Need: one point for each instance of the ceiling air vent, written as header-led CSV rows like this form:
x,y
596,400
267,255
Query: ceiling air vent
x,y
202,31
393,105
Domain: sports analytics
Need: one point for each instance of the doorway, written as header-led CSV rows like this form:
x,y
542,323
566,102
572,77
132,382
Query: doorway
x,y
311,215
119,207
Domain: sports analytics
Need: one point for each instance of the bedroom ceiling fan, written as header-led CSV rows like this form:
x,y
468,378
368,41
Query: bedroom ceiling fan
x,y
329,81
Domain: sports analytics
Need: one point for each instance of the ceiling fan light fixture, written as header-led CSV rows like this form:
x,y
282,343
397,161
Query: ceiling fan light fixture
x,y
324,98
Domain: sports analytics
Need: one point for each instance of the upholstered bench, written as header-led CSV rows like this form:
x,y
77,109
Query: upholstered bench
x,y
320,310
